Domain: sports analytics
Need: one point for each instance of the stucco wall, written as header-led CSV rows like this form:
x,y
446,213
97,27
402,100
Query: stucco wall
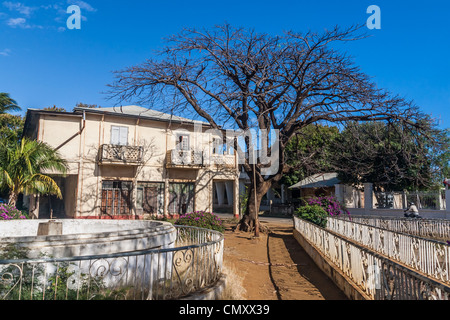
x,y
78,141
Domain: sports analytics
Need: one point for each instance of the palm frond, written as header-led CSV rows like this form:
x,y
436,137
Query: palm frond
x,y
7,104
23,167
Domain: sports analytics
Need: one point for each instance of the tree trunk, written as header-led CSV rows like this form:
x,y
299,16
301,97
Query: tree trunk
x,y
250,221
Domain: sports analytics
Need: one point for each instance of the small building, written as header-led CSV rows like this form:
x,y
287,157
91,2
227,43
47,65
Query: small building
x,y
328,184
321,184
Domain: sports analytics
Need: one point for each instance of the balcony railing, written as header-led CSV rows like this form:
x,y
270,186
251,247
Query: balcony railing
x,y
223,160
184,159
117,154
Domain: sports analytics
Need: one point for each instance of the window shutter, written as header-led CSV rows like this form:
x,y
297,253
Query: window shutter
x,y
123,137
215,146
115,133
185,142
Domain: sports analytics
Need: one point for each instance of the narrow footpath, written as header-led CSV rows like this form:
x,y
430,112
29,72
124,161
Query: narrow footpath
x,y
275,267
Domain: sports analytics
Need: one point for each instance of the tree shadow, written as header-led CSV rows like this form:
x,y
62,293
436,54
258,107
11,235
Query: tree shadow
x,y
305,266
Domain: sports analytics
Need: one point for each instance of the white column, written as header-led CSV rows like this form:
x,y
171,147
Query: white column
x,y
447,199
339,192
236,198
368,197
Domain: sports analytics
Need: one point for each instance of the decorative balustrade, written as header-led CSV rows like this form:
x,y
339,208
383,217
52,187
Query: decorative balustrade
x,y
118,154
198,159
376,276
438,229
184,159
194,264
429,257
223,160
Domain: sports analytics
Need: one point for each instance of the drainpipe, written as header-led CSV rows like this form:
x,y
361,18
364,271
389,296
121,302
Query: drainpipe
x,y
83,125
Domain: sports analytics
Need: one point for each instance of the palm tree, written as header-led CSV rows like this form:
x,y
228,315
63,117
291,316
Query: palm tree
x,y
23,166
7,104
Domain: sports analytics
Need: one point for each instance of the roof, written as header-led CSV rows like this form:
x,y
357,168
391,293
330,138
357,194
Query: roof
x,y
141,112
319,180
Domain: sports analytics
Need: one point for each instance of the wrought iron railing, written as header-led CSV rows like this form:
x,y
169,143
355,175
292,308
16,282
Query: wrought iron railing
x,y
430,257
109,153
184,159
429,200
161,274
223,160
375,276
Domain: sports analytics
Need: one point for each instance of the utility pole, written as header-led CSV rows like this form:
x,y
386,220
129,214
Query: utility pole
x,y
257,211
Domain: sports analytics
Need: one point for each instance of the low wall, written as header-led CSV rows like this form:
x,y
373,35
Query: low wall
x,y
341,281
87,237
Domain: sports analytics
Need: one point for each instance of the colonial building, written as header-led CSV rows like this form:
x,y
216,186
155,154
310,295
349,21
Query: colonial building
x,y
128,162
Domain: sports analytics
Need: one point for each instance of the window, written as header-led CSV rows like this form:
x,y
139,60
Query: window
x,y
183,142
181,198
119,135
150,197
217,146
116,197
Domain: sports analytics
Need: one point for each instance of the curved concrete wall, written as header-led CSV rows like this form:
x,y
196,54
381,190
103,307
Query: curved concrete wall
x,y
88,237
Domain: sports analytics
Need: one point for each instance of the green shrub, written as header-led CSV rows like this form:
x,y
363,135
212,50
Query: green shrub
x,y
201,219
313,213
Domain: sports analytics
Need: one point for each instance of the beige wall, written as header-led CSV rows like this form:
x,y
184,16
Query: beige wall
x,y
80,149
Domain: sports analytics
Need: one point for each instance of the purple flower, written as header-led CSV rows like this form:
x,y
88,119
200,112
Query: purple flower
x,y
9,212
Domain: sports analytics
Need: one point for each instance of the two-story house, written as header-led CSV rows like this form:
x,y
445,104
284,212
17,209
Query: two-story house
x,y
128,162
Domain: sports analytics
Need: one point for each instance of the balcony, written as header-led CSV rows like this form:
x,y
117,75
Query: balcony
x,y
117,154
190,159
224,160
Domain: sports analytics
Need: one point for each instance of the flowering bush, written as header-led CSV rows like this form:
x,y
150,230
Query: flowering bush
x,y
329,204
9,212
202,219
313,213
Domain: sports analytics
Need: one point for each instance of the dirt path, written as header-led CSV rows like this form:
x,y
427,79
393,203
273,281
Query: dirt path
x,y
275,266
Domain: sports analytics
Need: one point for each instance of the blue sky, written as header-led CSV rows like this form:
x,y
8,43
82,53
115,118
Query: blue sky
x,y
42,63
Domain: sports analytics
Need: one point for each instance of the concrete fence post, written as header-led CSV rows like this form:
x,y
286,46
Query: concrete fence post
x,y
368,197
339,192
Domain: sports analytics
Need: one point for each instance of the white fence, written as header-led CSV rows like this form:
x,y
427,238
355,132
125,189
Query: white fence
x,y
429,257
437,229
376,276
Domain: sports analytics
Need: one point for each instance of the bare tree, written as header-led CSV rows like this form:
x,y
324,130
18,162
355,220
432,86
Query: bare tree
x,y
238,78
